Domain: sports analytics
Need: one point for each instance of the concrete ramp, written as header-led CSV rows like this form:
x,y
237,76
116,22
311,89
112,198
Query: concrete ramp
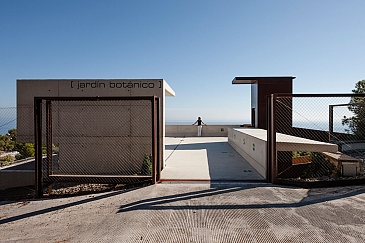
x,y
205,159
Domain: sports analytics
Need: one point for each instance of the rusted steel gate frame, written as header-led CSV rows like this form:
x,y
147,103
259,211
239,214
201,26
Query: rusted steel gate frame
x,y
272,164
38,101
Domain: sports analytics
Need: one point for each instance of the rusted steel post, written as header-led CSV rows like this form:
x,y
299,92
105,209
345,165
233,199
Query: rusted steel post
x,y
154,140
158,149
38,146
330,125
49,136
272,139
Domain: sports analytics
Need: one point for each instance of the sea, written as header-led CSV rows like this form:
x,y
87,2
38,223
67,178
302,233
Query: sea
x,y
7,123
208,122
315,125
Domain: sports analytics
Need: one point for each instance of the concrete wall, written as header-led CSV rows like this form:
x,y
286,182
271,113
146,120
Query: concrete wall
x,y
192,131
70,138
108,137
16,178
28,89
251,148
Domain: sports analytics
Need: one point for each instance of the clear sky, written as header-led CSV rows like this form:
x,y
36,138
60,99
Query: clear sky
x,y
197,46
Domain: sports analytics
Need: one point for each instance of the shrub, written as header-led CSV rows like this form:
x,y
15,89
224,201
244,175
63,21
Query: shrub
x,y
319,167
147,165
25,150
6,159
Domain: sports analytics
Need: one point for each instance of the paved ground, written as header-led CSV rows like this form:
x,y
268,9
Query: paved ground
x,y
191,213
205,158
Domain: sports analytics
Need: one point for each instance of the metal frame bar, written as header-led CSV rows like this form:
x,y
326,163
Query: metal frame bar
x,y
330,124
154,140
49,136
281,95
159,135
271,138
38,146
330,108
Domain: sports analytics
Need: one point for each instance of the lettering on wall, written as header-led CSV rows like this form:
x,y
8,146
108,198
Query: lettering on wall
x,y
114,85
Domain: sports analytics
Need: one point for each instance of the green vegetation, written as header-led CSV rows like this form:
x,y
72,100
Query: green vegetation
x,y
8,143
356,123
298,154
319,167
25,150
147,165
6,159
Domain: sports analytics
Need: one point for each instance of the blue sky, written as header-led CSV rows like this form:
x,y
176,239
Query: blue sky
x,y
198,47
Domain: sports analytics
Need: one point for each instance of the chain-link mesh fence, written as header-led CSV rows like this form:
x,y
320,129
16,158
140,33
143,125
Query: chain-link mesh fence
x,y
7,135
319,138
7,119
97,140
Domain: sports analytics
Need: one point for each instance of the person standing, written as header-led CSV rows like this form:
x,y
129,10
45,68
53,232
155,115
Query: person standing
x,y
200,125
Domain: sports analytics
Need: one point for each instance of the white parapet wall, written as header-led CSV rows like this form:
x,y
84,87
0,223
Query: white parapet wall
x,y
251,144
192,131
250,147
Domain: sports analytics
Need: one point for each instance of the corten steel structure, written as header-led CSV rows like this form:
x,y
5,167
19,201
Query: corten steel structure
x,y
261,88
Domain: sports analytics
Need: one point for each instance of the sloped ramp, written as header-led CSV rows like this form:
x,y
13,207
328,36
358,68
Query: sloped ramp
x,y
205,159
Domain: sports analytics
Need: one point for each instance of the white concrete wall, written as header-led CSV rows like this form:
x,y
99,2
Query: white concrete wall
x,y
192,131
251,148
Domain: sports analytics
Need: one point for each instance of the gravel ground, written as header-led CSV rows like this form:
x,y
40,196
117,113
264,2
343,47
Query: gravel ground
x,y
72,189
60,190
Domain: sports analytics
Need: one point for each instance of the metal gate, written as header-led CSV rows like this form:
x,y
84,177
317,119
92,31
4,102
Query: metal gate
x,y
324,136
109,140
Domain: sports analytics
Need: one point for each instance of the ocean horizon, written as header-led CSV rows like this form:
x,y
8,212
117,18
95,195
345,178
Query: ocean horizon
x,y
211,123
10,123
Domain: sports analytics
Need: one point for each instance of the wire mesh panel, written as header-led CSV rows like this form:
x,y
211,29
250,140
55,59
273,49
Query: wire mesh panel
x,y
98,140
318,138
7,119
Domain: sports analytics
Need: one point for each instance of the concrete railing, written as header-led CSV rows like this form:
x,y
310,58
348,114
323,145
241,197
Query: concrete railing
x,y
251,148
192,131
16,178
251,144
18,174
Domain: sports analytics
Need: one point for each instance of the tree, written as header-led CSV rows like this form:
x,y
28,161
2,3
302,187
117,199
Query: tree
x,y
13,134
25,150
356,123
6,144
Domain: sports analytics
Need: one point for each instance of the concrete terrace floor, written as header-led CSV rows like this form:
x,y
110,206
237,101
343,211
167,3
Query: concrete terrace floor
x,y
205,158
205,211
